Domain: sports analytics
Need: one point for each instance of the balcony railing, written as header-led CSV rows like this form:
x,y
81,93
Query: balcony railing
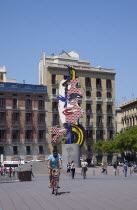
x,y
28,107
41,140
29,140
55,123
41,123
99,111
110,124
54,82
2,122
16,141
15,107
2,106
99,124
16,122
88,111
55,109
89,124
41,108
88,98
30,123
98,86
2,141
99,99
109,100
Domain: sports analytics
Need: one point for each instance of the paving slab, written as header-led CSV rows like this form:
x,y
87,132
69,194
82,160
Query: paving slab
x,y
97,192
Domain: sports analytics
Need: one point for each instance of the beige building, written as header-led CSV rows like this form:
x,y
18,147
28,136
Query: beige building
x,y
127,115
3,76
98,87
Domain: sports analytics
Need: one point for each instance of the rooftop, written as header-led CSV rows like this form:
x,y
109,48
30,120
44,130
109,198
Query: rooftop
x,y
4,86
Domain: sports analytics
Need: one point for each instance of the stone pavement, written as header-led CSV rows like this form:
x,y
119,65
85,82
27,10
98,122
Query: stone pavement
x,y
97,192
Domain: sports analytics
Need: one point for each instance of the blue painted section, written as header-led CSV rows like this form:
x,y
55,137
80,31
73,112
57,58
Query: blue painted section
x,y
69,133
22,87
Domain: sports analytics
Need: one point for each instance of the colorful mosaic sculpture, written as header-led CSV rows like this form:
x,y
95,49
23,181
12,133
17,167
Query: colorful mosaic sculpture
x,y
69,110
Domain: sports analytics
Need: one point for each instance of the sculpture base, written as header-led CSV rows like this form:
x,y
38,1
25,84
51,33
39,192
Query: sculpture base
x,y
71,152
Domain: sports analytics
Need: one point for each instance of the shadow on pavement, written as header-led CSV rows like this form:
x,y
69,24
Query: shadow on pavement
x,y
61,193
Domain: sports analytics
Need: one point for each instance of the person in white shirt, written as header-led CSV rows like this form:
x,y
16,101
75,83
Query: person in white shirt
x,y
84,165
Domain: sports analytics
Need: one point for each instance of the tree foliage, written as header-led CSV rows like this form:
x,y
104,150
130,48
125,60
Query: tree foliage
x,y
124,142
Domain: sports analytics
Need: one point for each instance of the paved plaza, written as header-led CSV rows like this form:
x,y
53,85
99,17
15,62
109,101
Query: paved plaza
x,y
97,192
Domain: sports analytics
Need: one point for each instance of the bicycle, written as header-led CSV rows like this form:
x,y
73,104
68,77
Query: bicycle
x,y
55,180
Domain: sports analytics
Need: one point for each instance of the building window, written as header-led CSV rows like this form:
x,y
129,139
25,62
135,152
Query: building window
x,y
89,134
109,95
54,91
99,120
98,83
1,150
110,135
109,120
55,119
2,135
41,118
109,108
40,104
15,117
28,150
89,148
99,108
28,104
53,78
87,82
2,102
15,134
28,117
88,108
98,94
99,135
29,134
1,76
88,120
108,83
54,106
88,93
2,116
15,150
41,134
41,151
14,103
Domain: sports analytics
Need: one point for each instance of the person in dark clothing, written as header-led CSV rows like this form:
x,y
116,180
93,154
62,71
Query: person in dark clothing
x,y
115,168
72,169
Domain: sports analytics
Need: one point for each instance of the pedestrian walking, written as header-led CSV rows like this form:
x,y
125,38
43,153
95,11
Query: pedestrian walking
x,y
84,165
115,168
72,169
31,171
68,169
10,171
125,169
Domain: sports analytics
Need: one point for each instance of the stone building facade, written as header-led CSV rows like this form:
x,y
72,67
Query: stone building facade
x,y
98,88
127,115
22,121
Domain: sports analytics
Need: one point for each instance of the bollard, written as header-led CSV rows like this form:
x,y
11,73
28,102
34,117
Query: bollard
x,y
130,171
93,172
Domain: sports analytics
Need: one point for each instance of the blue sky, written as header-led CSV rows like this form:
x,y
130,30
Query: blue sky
x,y
101,31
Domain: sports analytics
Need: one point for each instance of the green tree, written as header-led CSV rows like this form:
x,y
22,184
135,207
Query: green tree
x,y
62,139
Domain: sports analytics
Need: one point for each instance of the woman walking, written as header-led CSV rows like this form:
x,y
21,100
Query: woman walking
x,y
72,169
